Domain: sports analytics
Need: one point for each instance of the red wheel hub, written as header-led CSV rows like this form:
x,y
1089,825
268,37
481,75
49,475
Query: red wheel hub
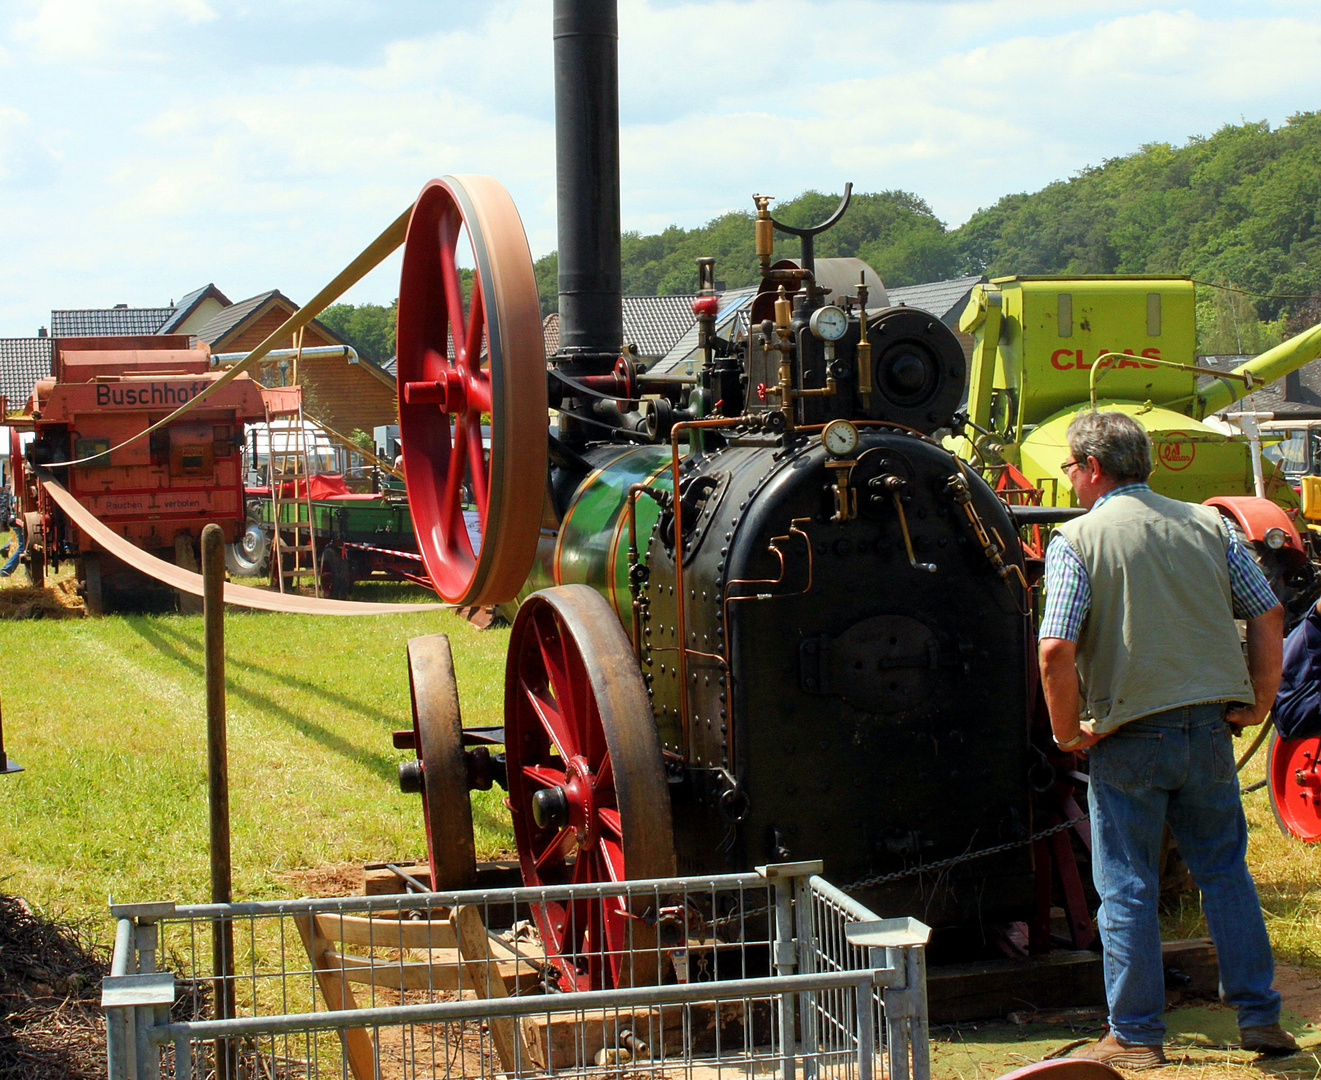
x,y
1294,771
587,791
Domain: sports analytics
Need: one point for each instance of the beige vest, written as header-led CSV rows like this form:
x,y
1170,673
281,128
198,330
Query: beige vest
x,y
1160,632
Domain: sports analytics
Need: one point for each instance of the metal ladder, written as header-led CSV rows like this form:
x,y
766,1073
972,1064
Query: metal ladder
x,y
290,465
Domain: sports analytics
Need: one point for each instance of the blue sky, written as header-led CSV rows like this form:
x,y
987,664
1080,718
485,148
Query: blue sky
x,y
150,146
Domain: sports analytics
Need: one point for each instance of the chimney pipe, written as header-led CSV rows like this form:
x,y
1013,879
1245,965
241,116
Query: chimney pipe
x,y
587,183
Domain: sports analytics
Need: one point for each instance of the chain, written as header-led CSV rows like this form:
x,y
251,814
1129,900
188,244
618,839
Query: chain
x,y
912,871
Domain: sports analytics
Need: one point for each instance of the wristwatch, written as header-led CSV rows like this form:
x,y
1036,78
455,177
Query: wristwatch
x,y
1072,743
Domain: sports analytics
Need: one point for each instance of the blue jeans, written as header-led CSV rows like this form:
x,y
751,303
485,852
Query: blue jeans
x,y
1175,766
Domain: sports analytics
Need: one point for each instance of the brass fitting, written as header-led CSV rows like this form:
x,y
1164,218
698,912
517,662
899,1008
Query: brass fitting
x,y
765,233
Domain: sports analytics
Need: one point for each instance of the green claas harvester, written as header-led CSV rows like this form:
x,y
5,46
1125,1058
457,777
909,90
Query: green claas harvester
x,y
1047,348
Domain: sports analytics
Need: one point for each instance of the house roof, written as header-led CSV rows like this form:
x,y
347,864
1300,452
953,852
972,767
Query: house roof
x,y
22,362
1295,395
391,366
550,334
731,322
946,299
108,322
188,304
225,321
652,323
655,323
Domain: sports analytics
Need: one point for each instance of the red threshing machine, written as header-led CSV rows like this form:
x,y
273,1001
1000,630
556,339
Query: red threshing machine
x,y
157,491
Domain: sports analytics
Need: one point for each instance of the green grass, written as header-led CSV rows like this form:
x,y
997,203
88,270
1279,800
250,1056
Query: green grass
x,y
1288,876
107,717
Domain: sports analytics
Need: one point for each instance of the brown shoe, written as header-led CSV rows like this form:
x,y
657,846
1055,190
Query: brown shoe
x,y
1270,1040
1112,1050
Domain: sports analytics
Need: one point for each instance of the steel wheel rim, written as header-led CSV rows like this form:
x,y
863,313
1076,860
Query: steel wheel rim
x,y
247,556
1294,775
498,368
438,737
577,720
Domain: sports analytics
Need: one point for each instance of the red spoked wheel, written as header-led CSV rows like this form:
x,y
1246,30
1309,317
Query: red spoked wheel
x,y
458,364
587,788
1293,769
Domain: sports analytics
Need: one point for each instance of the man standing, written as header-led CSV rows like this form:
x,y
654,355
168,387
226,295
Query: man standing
x,y
1141,665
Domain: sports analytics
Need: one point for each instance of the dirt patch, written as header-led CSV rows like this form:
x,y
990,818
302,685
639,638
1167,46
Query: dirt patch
x,y
1301,989
337,879
1201,1040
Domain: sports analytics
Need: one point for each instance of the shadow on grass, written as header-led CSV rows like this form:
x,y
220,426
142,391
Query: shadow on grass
x,y
195,644
156,636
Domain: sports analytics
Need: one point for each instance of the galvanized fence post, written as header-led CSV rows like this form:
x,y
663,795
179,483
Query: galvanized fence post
x,y
898,947
807,944
865,1020
783,876
135,997
918,1024
119,1042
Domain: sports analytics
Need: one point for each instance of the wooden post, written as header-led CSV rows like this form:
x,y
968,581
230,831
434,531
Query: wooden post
x,y
217,769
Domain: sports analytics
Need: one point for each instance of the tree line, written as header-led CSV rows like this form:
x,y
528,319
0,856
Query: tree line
x,y
1239,209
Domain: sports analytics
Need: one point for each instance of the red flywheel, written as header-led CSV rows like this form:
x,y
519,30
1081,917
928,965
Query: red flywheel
x,y
465,362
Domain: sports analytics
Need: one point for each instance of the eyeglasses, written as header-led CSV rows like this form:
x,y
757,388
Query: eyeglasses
x,y
1072,463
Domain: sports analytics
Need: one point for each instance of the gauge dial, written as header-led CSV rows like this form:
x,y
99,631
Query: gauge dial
x,y
829,323
840,438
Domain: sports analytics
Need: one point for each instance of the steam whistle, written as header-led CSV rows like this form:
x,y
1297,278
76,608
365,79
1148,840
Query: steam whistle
x,y
765,233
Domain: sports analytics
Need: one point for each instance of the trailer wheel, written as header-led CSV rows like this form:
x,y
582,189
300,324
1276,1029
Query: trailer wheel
x,y
336,575
249,555
36,550
1293,772
587,788
458,366
438,737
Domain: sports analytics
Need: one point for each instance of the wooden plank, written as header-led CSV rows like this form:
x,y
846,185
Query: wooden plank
x,y
359,1051
572,1040
434,933
1066,979
486,981
394,974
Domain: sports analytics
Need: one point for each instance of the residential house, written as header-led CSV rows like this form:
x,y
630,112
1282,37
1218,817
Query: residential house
x,y
347,393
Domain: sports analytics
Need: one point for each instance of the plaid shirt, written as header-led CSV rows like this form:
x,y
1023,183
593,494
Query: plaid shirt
x,y
1069,593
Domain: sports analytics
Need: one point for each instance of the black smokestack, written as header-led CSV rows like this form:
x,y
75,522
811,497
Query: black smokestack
x,y
587,180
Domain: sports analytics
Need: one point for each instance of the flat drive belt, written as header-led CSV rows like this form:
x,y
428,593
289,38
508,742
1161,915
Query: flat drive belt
x,y
187,581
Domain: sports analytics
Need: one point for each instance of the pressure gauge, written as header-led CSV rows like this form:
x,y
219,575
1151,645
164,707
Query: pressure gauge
x,y
840,438
829,323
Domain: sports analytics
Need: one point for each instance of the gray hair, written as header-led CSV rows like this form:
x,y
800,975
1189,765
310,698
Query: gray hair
x,y
1116,440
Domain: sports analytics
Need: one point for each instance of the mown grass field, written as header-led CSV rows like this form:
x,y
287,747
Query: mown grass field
x,y
107,717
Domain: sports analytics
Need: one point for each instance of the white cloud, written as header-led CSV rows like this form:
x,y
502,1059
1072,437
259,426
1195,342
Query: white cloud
x,y
25,163
132,181
65,29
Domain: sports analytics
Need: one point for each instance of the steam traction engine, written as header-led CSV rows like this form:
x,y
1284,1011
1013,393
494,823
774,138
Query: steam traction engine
x,y
764,615
158,491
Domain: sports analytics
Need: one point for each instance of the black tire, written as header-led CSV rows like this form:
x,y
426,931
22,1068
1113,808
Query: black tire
x,y
336,575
